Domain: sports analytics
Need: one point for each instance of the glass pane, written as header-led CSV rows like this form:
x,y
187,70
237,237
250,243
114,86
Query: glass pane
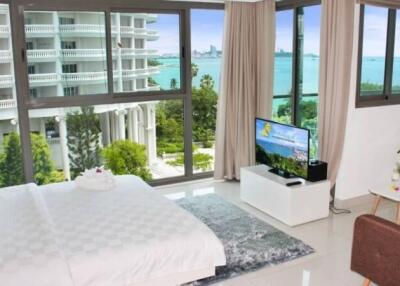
x,y
146,51
66,51
206,73
396,60
128,138
374,50
11,166
281,109
308,74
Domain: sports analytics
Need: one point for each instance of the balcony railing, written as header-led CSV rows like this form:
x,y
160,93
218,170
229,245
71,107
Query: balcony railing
x,y
5,55
39,29
8,103
6,81
84,76
83,53
41,54
43,78
4,29
82,28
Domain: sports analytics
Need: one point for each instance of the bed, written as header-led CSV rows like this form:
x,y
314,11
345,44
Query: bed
x,y
130,235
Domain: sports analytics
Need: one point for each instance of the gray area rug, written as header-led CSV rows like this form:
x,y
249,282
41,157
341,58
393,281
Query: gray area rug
x,y
249,242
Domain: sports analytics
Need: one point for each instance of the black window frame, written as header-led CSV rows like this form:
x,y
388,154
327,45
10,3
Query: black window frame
x,y
26,104
296,94
387,97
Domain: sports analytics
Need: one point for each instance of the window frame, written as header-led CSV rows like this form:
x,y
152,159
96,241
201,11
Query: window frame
x,y
387,97
295,97
25,103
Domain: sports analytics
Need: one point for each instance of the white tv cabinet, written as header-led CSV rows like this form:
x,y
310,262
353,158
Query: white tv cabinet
x,y
291,205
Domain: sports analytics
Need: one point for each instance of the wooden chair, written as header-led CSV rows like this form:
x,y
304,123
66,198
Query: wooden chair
x,y
376,250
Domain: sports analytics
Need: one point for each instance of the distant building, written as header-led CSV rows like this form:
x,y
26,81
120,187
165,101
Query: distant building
x,y
66,57
213,51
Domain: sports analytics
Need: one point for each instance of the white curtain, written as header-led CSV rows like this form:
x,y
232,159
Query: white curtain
x,y
334,84
247,80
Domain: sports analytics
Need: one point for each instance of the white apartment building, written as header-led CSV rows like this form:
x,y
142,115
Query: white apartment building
x,y
66,53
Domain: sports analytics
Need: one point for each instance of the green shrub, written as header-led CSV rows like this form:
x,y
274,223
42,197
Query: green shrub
x,y
125,157
201,161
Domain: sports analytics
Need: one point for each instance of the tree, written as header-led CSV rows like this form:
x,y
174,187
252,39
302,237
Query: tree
x,y
173,84
11,166
11,170
195,70
204,114
83,129
43,167
207,82
127,157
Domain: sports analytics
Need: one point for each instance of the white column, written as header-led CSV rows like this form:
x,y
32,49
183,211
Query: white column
x,y
64,148
135,125
129,125
114,131
57,47
150,133
121,124
105,128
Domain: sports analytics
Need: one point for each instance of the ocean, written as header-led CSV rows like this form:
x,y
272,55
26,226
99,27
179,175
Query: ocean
x,y
373,72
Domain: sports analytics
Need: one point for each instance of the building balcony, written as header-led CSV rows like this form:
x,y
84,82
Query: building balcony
x,y
4,31
83,54
5,56
39,30
138,73
92,77
90,30
8,103
41,55
43,79
149,88
6,81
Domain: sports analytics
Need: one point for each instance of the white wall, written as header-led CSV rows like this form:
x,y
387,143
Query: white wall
x,y
372,140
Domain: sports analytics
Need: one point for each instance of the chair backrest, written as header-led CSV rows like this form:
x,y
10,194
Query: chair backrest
x,y
376,250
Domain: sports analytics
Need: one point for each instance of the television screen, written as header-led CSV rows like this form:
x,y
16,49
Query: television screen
x,y
282,147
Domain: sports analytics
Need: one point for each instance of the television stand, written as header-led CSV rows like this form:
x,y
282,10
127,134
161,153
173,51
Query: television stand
x,y
283,174
292,205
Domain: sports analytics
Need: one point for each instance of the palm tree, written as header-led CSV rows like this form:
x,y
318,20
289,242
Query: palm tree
x,y
207,81
173,84
195,70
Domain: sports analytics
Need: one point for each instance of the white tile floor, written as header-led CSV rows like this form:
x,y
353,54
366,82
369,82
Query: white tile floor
x,y
331,238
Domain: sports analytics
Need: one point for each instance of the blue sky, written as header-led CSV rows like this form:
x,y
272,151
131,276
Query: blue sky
x,y
284,30
207,29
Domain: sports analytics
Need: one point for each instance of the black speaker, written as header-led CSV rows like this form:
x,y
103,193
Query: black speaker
x,y
317,171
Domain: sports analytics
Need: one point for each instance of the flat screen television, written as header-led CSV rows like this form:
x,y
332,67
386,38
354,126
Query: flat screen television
x,y
283,147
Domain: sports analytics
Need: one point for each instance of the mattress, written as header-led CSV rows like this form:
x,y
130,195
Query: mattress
x,y
123,236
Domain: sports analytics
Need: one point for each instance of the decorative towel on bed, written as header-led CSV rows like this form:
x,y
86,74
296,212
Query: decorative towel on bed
x,y
96,179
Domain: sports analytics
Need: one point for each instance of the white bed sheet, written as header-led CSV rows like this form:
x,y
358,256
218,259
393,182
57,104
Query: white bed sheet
x,y
29,254
127,235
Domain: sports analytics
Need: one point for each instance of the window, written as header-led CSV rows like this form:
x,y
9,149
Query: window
x,y
54,72
70,68
68,45
33,92
71,91
283,71
297,69
31,69
378,76
11,155
144,138
29,46
206,70
139,23
74,82
157,42
66,21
